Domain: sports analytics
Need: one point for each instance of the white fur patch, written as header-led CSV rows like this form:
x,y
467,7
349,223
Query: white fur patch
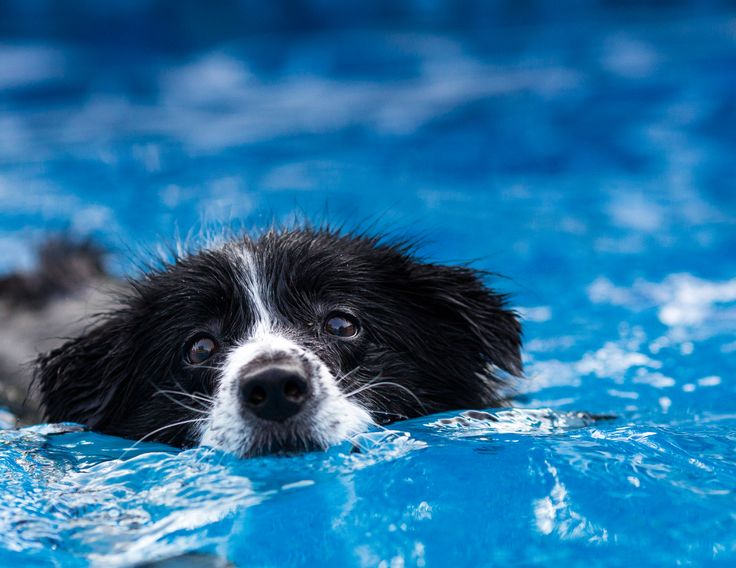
x,y
257,293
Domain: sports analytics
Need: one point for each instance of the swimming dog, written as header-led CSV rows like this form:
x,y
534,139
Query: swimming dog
x,y
289,341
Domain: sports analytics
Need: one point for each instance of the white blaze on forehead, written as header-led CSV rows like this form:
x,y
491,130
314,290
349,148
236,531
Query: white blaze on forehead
x,y
257,293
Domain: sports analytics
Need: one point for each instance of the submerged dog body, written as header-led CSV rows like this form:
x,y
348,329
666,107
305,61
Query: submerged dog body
x,y
290,341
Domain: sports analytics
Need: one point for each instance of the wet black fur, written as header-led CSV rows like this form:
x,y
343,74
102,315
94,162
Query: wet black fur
x,y
436,330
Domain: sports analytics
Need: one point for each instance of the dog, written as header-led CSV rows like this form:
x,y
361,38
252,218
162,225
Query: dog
x,y
293,340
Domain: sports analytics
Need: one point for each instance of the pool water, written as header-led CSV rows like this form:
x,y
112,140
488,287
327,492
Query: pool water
x,y
585,156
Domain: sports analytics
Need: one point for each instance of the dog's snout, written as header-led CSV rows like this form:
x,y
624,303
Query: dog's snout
x,y
274,393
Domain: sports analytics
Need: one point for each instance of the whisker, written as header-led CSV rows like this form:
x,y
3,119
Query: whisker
x,y
397,414
209,368
346,375
390,384
199,397
180,403
157,430
182,389
366,387
202,398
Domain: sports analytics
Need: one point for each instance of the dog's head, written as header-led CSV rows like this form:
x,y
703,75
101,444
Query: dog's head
x,y
291,341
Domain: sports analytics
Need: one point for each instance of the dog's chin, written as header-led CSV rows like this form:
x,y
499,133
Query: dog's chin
x,y
293,436
278,446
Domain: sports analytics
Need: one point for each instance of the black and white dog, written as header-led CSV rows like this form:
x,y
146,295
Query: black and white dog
x,y
291,341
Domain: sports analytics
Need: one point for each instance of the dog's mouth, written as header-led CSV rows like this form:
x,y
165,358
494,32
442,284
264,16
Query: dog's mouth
x,y
316,431
281,440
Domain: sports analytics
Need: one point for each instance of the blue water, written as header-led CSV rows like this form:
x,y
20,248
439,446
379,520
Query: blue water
x,y
583,150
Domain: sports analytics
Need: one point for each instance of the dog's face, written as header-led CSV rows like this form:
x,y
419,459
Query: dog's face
x,y
292,341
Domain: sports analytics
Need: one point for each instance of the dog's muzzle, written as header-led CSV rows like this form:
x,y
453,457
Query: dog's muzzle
x,y
277,397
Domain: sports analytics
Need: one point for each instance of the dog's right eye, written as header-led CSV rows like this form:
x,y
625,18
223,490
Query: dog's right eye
x,y
200,349
341,325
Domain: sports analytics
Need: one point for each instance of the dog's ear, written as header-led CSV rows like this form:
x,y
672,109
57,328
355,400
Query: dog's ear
x,y
79,381
469,307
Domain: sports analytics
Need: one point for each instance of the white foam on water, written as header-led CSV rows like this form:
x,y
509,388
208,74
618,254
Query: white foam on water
x,y
555,515
681,298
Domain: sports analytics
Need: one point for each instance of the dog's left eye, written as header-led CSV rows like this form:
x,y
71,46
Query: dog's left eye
x,y
200,349
341,325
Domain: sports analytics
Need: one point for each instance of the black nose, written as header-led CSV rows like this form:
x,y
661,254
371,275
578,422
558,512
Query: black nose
x,y
274,393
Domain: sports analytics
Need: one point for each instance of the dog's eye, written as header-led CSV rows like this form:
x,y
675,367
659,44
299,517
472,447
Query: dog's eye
x,y
341,325
200,349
